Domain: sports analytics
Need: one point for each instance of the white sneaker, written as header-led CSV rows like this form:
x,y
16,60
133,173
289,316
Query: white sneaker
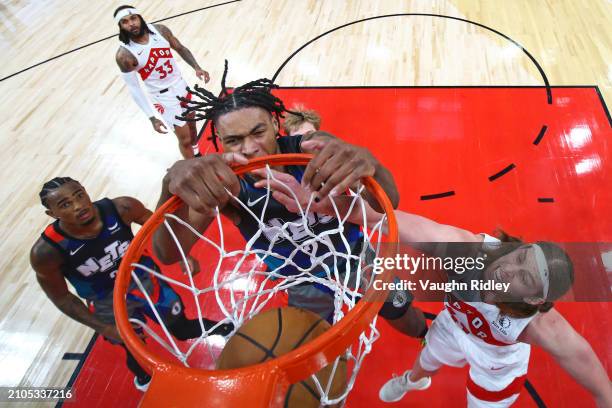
x,y
141,387
397,387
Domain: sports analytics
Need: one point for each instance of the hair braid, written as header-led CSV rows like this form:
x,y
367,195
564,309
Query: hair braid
x,y
210,107
51,185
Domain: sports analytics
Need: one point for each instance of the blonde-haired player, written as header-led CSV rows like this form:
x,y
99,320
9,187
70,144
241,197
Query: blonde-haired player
x,y
301,121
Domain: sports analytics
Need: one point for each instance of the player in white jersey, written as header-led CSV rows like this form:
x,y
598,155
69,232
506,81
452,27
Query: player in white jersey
x,y
146,52
491,331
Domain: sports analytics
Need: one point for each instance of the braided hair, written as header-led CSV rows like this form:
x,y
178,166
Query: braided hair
x,y
256,93
52,185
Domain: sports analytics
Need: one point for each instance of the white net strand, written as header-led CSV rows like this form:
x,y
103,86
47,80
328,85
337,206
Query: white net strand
x,y
347,275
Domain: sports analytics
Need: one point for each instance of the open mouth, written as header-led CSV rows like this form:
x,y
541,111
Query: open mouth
x,y
84,215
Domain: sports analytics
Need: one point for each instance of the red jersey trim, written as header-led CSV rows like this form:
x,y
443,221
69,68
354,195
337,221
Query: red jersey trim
x,y
483,394
52,234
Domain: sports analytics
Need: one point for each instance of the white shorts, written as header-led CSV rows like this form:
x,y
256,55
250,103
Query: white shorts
x,y
168,105
496,374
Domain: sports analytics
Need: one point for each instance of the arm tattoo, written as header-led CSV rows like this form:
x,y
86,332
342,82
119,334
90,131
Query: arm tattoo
x,y
125,61
188,57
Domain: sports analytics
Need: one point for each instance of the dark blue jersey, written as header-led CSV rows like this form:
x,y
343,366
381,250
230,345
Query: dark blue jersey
x,y
91,265
277,217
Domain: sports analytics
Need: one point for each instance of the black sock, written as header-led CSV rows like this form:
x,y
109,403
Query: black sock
x,y
142,376
184,329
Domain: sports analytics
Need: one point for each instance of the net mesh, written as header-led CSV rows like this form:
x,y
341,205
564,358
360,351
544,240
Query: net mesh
x,y
341,268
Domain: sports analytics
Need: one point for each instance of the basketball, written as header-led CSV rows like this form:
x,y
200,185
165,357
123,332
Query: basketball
x,y
277,332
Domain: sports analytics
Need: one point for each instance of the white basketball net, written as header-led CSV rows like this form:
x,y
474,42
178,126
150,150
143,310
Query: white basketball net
x,y
348,286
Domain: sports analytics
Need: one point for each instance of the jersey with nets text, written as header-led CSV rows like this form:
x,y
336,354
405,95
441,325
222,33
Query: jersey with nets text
x,y
91,265
282,226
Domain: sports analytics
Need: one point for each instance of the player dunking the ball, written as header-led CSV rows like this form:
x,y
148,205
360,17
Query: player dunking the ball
x,y
146,52
246,121
85,245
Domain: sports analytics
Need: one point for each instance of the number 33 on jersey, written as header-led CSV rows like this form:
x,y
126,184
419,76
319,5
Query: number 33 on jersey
x,y
156,65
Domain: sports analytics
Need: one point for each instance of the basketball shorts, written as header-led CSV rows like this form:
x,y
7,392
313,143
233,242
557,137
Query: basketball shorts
x,y
496,374
166,301
168,106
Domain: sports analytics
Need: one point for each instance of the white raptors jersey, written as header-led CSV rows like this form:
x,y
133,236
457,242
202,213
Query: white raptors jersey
x,y
482,320
156,66
485,322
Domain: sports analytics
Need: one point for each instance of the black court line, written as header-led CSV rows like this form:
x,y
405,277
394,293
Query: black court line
x,y
438,195
432,86
534,394
540,135
79,366
546,200
603,105
533,60
72,356
502,172
107,38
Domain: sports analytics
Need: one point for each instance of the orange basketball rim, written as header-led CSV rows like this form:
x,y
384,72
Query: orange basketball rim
x,y
260,385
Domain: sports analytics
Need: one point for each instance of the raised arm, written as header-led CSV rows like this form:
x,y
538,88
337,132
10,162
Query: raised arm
x,y
555,335
337,165
203,184
46,262
132,210
183,51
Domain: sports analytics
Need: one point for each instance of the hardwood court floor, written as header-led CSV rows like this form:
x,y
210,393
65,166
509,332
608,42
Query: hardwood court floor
x,y
73,116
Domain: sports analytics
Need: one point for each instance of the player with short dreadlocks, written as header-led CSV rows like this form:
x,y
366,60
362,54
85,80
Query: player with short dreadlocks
x,y
211,107
85,245
246,122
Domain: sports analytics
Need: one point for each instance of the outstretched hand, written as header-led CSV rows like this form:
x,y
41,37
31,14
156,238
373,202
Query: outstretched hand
x,y
202,182
202,75
336,166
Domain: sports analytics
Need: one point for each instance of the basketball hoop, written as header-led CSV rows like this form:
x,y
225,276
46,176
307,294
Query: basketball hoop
x,y
175,384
